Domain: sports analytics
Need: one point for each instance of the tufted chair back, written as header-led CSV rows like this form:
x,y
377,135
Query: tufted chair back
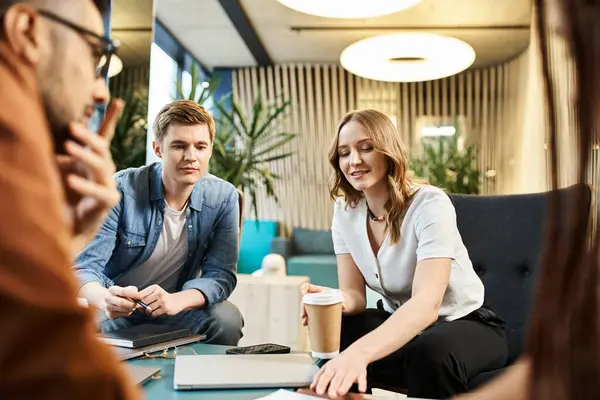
x,y
504,238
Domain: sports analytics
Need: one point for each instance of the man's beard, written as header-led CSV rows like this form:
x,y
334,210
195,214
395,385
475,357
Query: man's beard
x,y
59,125
60,131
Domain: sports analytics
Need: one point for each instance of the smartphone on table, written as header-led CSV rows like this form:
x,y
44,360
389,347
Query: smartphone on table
x,y
265,348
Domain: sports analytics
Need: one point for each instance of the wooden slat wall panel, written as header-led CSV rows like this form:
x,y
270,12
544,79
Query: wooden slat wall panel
x,y
523,80
130,79
491,100
322,94
477,95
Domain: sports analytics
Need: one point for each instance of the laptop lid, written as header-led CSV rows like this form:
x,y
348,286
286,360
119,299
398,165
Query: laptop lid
x,y
243,371
139,374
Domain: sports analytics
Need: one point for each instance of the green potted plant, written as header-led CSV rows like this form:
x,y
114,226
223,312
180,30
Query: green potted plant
x,y
443,163
245,143
128,146
208,87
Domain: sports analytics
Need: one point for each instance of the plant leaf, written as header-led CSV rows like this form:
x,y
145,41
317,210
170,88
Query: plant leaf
x,y
274,146
195,74
276,113
275,158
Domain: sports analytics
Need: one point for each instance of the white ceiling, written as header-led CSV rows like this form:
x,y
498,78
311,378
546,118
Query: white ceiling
x,y
203,27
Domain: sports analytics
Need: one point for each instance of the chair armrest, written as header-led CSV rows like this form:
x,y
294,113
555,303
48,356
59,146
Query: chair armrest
x,y
282,246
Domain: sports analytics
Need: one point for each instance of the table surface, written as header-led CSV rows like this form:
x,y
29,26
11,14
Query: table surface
x,y
162,388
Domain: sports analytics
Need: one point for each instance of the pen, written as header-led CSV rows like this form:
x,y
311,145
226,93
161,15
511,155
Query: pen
x,y
141,303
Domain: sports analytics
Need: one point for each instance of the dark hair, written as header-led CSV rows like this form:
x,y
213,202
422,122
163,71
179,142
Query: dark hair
x,y
6,4
564,337
182,112
103,6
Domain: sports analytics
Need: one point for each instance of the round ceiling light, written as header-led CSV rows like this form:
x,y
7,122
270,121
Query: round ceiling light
x,y
407,57
115,66
349,8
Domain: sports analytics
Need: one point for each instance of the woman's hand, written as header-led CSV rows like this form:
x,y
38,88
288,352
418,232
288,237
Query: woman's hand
x,y
310,288
337,376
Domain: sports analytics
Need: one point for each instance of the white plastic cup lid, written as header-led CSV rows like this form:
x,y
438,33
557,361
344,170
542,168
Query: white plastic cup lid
x,y
325,298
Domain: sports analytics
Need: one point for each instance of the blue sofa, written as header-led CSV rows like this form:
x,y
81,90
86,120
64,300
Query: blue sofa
x,y
309,253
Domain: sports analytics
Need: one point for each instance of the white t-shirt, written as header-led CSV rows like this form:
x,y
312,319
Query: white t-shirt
x,y
428,231
164,265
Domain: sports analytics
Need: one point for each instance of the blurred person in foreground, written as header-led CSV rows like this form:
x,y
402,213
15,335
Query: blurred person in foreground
x,y
562,357
57,188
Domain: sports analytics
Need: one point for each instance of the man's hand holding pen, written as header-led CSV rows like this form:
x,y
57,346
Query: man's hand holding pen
x,y
123,301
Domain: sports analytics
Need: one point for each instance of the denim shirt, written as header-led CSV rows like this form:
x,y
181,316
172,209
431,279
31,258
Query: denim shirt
x,y
130,233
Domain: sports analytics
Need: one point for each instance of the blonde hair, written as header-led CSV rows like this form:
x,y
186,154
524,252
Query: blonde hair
x,y
182,112
386,140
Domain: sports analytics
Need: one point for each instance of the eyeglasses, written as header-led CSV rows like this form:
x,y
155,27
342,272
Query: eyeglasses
x,y
165,353
102,49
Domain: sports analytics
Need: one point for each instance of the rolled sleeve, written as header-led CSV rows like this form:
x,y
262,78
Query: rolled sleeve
x,y
211,289
218,272
86,276
435,228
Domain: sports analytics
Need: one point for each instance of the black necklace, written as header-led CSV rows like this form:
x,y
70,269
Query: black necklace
x,y
373,217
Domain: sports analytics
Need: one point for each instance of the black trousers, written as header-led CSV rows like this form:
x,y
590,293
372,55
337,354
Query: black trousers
x,y
440,361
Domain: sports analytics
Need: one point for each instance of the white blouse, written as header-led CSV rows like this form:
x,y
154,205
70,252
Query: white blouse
x,y
428,231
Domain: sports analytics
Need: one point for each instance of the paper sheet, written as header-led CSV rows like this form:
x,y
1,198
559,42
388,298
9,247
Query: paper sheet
x,y
283,394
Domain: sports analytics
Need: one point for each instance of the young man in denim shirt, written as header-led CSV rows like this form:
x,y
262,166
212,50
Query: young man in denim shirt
x,y
172,241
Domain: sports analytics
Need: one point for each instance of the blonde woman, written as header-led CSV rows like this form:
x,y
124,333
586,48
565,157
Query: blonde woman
x,y
432,332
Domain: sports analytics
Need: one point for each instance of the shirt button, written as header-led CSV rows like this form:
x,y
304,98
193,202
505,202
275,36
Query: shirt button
x,y
376,276
158,222
190,226
129,242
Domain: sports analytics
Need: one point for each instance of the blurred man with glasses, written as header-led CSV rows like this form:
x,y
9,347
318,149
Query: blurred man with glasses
x,y
57,188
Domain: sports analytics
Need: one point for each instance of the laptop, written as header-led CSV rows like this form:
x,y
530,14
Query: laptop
x,y
243,371
140,375
124,353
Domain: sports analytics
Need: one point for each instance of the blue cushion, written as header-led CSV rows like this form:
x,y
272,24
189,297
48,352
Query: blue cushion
x,y
255,244
310,241
321,269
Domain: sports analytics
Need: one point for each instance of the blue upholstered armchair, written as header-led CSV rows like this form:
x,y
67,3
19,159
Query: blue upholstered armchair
x,y
504,237
309,253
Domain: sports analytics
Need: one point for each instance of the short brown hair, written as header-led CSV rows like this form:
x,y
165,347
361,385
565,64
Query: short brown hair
x,y
182,112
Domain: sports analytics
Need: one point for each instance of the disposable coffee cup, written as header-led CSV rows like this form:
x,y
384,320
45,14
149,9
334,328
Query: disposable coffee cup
x,y
324,311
